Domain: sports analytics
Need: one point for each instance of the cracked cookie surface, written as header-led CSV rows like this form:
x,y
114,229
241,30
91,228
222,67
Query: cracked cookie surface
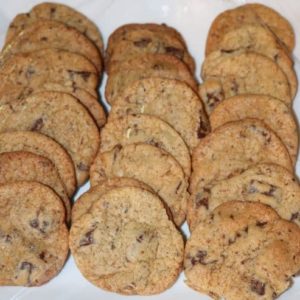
x,y
149,164
33,235
242,250
125,243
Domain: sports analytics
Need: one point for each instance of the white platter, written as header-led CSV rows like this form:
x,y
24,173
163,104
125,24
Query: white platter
x,y
192,18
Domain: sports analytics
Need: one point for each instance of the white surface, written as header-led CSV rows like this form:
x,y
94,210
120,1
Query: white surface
x,y
192,18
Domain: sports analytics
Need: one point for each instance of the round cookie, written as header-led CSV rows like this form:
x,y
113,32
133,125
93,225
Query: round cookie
x,y
247,73
121,33
146,129
46,34
145,66
89,101
170,100
261,40
50,67
233,148
84,204
270,184
249,14
42,145
149,164
26,166
61,117
274,113
141,41
33,235
243,250
126,243
57,12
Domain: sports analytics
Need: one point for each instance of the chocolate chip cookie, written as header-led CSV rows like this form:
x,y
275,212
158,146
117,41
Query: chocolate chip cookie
x,y
33,235
273,112
36,70
146,129
252,13
149,164
270,184
57,12
259,39
242,250
247,73
126,243
143,40
145,66
233,148
22,165
44,34
42,145
170,100
84,204
61,117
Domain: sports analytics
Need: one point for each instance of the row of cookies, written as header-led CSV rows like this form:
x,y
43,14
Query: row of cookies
x,y
245,200
50,69
124,236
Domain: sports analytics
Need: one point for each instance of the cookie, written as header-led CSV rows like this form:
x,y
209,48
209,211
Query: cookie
x,y
274,113
233,148
145,66
126,243
61,117
149,164
46,34
141,41
243,250
85,203
146,129
45,67
247,73
33,235
22,165
266,183
42,145
249,14
121,33
170,100
56,12
260,39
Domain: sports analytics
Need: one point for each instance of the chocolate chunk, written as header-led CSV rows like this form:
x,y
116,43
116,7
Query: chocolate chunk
x,y
155,143
34,223
227,50
44,38
157,67
84,74
257,287
175,52
7,238
234,86
178,186
294,216
261,224
29,72
214,98
261,187
26,266
87,239
203,129
38,125
140,238
142,43
52,11
271,191
82,167
201,201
